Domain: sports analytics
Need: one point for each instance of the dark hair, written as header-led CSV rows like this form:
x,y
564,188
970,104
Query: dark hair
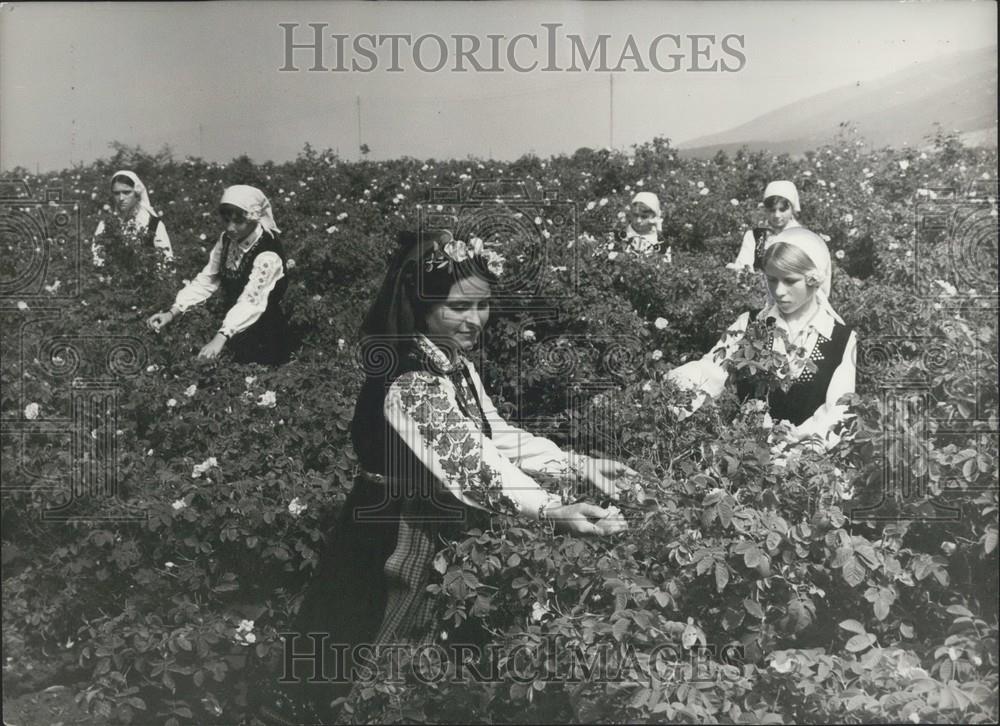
x,y
122,179
774,199
411,286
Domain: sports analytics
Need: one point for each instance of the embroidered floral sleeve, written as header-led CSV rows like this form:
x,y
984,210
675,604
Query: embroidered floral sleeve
x,y
267,270
423,410
203,286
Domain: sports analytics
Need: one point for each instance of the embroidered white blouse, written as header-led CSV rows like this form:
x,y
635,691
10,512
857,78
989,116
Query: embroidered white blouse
x,y
140,220
707,375
252,302
746,254
486,472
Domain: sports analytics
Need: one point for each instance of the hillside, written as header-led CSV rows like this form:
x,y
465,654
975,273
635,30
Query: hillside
x,y
900,109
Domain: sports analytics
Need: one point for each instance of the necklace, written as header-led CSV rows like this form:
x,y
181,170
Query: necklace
x,y
793,337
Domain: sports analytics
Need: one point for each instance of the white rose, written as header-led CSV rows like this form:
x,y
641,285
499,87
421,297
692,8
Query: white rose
x,y
179,504
704,191
341,343
612,255
528,335
295,507
657,354
31,411
660,323
22,305
204,466
249,380
191,390
839,254
268,400
171,403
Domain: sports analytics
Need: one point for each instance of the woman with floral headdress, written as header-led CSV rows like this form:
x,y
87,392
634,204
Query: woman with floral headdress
x,y
132,221
644,233
248,263
818,349
436,459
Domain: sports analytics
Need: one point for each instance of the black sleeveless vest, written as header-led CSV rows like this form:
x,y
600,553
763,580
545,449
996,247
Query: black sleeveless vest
x,y
760,237
267,340
807,392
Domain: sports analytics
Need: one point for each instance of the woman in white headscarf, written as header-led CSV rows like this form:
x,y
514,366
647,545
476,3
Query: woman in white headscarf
x,y
132,221
803,327
644,234
248,263
781,202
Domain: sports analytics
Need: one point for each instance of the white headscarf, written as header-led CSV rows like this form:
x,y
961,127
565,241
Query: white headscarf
x,y
653,202
140,189
252,201
785,190
816,250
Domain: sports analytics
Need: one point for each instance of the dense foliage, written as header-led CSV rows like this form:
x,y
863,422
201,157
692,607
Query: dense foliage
x,y
858,586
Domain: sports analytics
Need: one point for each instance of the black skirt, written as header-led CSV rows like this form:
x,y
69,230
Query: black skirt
x,y
266,341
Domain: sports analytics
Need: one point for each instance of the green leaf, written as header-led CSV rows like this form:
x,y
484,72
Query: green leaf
x,y
960,610
854,572
753,607
721,576
726,511
860,642
853,626
990,540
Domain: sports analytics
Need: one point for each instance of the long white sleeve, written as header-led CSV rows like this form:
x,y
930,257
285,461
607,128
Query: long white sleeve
x,y
423,410
529,452
267,270
746,253
204,285
96,248
161,241
830,413
707,375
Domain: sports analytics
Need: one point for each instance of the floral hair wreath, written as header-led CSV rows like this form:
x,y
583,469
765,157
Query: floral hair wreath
x,y
456,251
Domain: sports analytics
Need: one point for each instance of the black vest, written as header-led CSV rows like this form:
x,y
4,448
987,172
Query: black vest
x,y
760,237
234,281
267,341
807,392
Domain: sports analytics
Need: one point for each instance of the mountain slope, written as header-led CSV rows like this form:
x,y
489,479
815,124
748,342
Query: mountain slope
x,y
959,92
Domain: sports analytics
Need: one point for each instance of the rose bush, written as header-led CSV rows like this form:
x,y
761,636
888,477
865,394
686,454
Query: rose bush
x,y
855,586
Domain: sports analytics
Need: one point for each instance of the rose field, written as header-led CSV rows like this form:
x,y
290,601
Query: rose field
x,y
162,515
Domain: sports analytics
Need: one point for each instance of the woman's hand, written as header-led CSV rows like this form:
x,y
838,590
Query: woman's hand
x,y
213,348
159,320
587,519
603,474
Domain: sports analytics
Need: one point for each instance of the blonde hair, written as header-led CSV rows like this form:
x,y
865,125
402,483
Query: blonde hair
x,y
791,260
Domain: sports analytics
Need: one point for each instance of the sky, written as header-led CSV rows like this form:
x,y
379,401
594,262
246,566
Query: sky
x,y
204,77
